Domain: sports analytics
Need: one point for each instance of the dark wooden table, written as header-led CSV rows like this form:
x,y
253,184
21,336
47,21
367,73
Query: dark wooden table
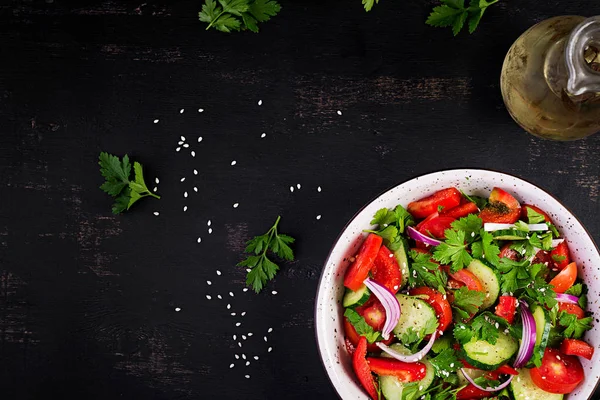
x,y
89,300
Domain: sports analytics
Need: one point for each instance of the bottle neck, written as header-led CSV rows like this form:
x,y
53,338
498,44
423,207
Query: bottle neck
x,y
582,54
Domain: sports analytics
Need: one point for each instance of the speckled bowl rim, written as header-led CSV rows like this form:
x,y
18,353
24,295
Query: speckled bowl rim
x,y
337,239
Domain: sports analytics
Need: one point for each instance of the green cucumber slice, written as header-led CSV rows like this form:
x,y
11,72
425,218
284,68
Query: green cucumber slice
x,y
358,298
415,313
523,388
488,279
509,234
487,356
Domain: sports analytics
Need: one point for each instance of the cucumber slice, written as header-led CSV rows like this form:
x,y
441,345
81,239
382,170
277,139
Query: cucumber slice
x,y
392,387
542,330
510,234
415,314
402,258
358,298
487,356
523,388
488,279
473,373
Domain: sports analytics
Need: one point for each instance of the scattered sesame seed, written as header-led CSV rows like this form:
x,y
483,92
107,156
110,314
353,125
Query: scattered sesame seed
x,y
208,296
156,181
247,376
177,309
245,289
208,283
199,139
292,189
247,363
250,334
219,297
228,306
177,149
182,179
233,314
186,145
248,270
235,205
209,222
209,230
270,349
156,213
260,102
274,292
236,356
339,112
298,186
156,121
218,272
231,294
231,365
195,189
199,240
195,172
180,143
201,110
270,330
319,189
155,189
256,357
181,111
239,344
265,338
185,194
244,337
233,162
193,153
184,208
319,217
243,313
238,324
263,135
234,337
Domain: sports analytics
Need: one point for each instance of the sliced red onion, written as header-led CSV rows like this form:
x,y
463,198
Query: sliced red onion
x,y
411,358
567,298
529,334
488,389
390,304
416,235
491,226
556,242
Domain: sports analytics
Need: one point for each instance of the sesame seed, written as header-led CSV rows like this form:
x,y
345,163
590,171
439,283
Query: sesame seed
x,y
180,143
247,376
219,297
209,230
209,222
199,139
318,217
244,337
228,306
156,121
238,323
263,135
156,213
218,272
182,138
155,189
319,189
239,344
182,179
231,294
244,356
247,363
184,208
558,358
233,314
185,194
193,153
156,181
201,110
236,356
298,186
199,240
265,338
270,349
208,283
243,313
274,292
195,189
256,357
177,309
186,145
270,330
208,296
245,289
235,205
233,162
292,189
195,172
250,334
234,337
231,365
248,270
177,149
260,102
339,112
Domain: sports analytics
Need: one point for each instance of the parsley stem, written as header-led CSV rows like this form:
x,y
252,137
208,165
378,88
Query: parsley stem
x,y
215,20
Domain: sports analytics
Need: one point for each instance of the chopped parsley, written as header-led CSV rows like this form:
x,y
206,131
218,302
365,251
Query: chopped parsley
x,y
424,272
574,328
361,326
446,362
466,303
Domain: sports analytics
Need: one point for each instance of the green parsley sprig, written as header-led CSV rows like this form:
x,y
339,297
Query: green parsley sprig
x,y
126,192
391,225
454,13
361,326
236,15
262,269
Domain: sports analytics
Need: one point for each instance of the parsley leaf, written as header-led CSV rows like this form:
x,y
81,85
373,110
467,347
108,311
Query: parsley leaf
x,y
262,269
116,173
479,201
369,4
425,272
471,225
466,302
390,224
543,241
446,362
575,290
225,16
482,327
453,250
486,249
515,275
534,217
453,13
574,328
361,326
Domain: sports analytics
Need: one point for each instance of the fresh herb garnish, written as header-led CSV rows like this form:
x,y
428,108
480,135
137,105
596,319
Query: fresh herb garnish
x,y
236,15
483,327
117,184
534,217
446,362
369,4
486,249
361,326
262,269
466,303
574,327
425,272
391,224
454,13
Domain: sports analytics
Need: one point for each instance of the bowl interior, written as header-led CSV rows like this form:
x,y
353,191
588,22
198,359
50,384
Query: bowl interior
x,y
329,312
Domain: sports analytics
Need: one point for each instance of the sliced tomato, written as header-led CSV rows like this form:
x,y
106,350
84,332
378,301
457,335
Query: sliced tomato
x,y
471,392
362,370
429,217
461,210
507,252
352,338
565,278
538,210
445,198
571,309
439,303
436,227
454,284
559,373
560,255
359,270
469,279
386,270
502,207
506,308
373,312
574,347
405,372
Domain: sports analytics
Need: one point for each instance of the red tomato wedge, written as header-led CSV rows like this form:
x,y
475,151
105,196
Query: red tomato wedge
x,y
507,252
560,255
471,392
538,210
359,270
353,337
440,304
429,217
386,270
405,372
461,210
362,370
501,208
469,279
565,278
571,309
559,373
373,313
435,227
506,308
574,347
445,198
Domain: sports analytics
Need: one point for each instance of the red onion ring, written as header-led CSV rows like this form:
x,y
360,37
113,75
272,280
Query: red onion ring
x,y
488,389
529,335
411,358
390,304
567,298
416,235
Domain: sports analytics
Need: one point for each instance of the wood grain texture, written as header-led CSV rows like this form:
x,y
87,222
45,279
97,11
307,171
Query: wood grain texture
x,y
88,299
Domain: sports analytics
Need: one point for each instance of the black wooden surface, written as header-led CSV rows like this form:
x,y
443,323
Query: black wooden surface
x,y
88,299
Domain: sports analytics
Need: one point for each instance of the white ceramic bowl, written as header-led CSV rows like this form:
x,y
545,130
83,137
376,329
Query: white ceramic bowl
x,y
328,309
